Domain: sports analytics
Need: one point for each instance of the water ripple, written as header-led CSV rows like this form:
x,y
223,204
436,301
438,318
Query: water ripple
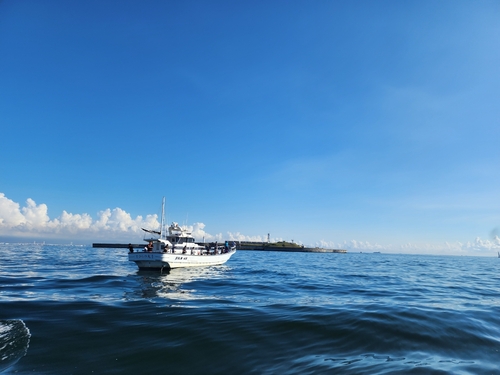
x,y
261,313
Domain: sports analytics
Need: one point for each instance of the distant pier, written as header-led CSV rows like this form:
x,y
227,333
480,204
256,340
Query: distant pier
x,y
118,245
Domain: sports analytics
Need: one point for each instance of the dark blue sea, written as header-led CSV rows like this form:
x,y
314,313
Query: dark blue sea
x,y
80,310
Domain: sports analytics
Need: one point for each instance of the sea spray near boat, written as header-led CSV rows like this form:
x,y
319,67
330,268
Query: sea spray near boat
x,y
14,342
178,249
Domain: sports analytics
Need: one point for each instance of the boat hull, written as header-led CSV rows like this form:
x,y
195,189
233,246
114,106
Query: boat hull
x,y
152,260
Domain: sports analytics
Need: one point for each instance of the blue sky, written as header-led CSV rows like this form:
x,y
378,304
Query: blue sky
x,y
366,125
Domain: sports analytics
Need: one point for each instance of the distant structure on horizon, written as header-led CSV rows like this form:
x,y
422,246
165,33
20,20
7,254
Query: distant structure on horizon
x,y
283,246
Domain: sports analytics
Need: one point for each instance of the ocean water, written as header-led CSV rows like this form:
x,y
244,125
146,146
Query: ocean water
x,y
79,310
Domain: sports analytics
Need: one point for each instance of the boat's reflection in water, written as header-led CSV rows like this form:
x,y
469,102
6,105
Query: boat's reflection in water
x,y
179,283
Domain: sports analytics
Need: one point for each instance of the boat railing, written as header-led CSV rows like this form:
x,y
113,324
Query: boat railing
x,y
198,251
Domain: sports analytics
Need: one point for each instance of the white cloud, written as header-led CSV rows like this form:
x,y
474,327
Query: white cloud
x,y
35,216
241,237
32,220
198,232
10,215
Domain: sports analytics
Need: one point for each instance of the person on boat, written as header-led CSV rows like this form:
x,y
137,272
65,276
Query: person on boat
x,y
150,246
226,247
165,249
184,250
130,248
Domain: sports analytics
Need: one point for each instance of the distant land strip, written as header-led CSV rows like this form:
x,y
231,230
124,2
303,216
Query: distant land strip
x,y
242,245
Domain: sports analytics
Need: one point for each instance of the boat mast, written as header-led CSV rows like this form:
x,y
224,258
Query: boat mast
x,y
162,218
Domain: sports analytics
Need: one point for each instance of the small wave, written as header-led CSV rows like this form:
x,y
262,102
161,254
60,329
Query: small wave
x,y
14,342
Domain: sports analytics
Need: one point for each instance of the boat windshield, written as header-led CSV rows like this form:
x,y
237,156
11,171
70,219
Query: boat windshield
x,y
176,239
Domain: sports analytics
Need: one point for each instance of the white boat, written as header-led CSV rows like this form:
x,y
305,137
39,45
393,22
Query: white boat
x,y
178,249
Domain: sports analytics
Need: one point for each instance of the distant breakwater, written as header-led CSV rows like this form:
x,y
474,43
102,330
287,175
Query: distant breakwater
x,y
283,246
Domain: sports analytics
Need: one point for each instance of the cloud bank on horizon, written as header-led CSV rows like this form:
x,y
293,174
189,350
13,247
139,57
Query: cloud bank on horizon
x,y
33,221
